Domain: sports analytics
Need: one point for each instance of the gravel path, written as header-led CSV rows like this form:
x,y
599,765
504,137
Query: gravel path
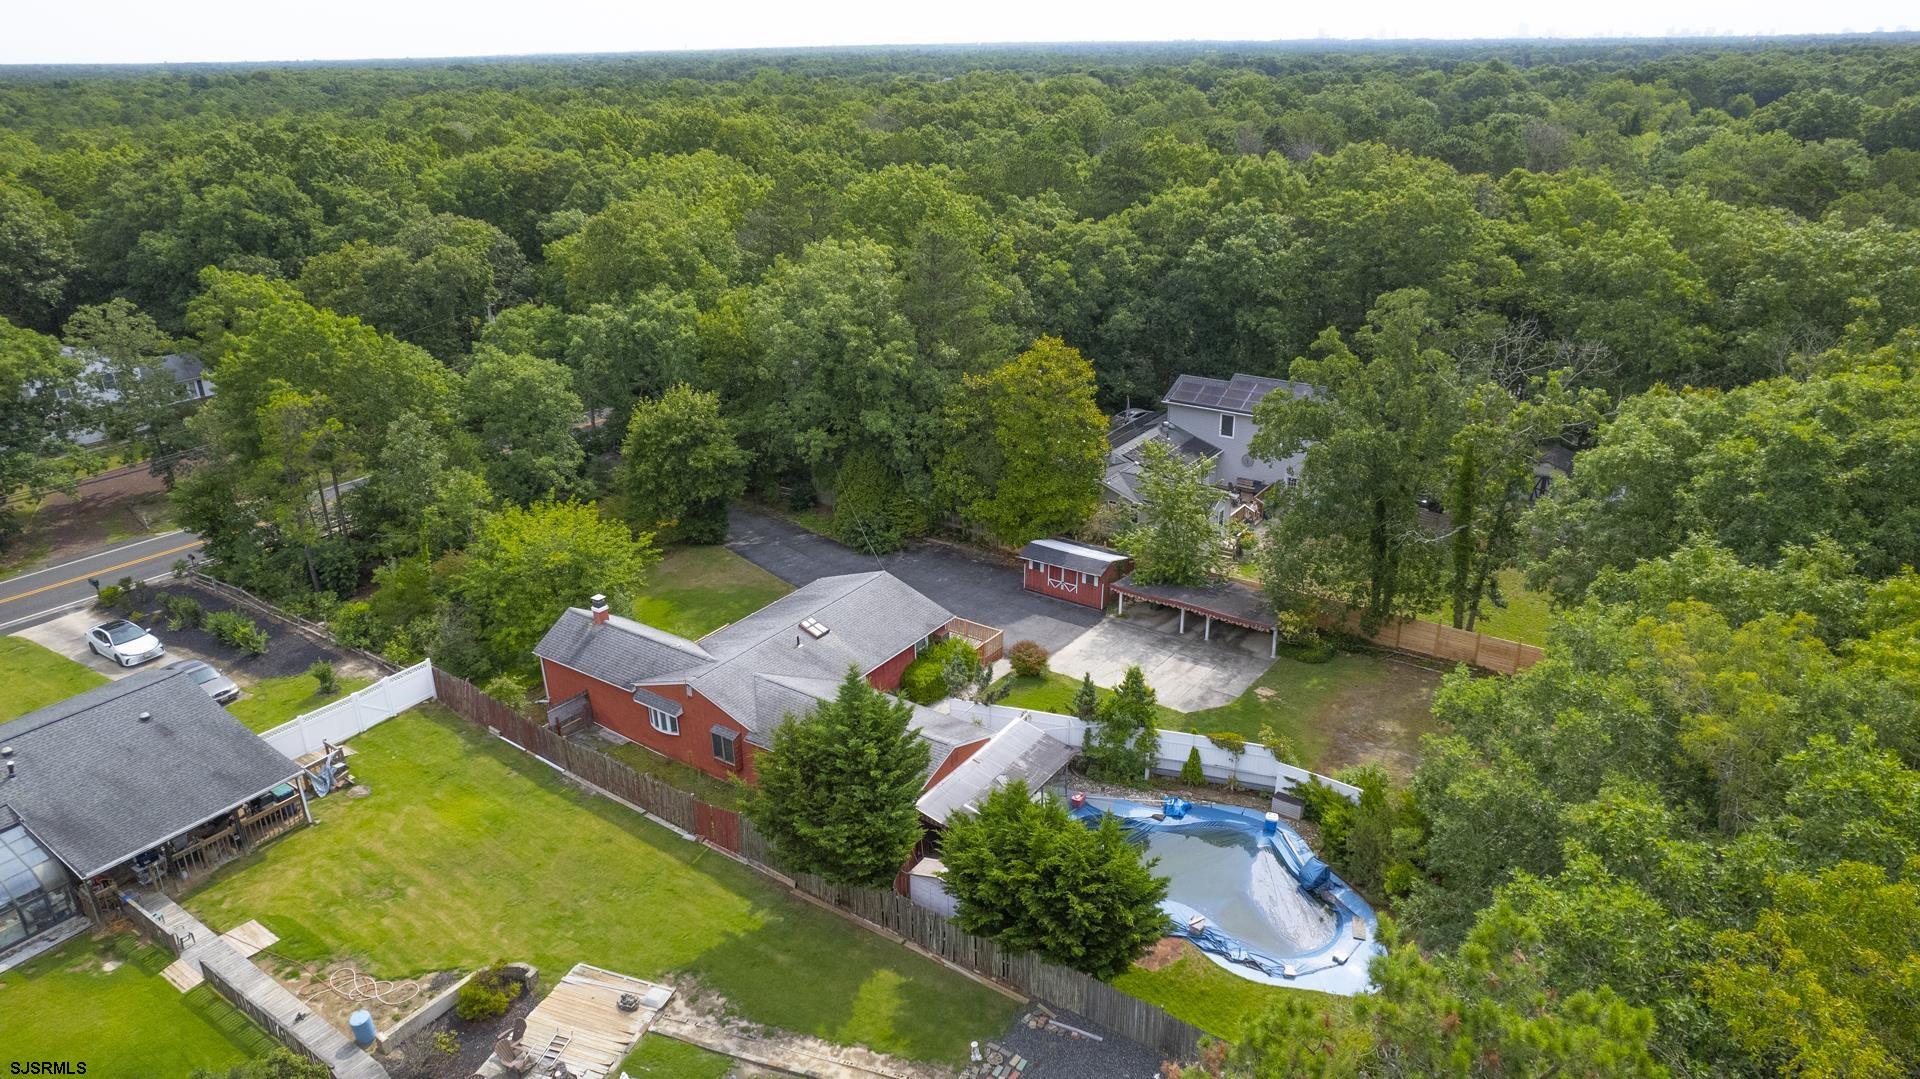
x,y
1042,1050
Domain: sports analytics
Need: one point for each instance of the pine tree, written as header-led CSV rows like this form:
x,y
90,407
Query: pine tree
x,y
1033,878
838,788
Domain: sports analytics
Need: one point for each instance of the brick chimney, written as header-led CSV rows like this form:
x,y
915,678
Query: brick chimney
x,y
599,609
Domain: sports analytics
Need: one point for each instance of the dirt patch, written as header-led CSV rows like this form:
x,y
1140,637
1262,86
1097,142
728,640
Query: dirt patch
x,y
117,505
1169,951
703,1018
1380,720
337,990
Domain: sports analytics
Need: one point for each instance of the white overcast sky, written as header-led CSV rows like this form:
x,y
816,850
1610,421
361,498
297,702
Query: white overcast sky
x,y
145,31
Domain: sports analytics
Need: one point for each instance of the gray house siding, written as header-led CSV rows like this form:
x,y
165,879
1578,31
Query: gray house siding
x,y
1234,462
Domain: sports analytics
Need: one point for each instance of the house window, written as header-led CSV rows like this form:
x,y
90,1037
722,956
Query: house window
x,y
664,722
1226,426
724,749
920,645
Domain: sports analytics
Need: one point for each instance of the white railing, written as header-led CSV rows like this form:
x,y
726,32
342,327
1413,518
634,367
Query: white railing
x,y
1254,768
354,712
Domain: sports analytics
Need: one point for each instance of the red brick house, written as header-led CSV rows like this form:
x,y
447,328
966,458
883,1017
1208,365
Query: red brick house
x,y
714,703
1076,572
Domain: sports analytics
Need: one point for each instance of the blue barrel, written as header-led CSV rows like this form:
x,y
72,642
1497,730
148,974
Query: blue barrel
x,y
362,1024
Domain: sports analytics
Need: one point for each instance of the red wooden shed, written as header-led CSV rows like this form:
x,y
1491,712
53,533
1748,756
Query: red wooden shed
x,y
1076,572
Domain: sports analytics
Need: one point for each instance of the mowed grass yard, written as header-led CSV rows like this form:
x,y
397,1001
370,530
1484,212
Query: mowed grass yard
x,y
67,1006
1525,618
1199,991
696,590
273,701
34,676
468,851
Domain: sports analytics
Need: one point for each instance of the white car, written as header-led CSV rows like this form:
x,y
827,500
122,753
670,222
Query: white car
x,y
125,643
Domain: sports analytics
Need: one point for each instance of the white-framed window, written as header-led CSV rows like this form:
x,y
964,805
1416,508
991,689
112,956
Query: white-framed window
x,y
1226,425
664,722
726,746
920,645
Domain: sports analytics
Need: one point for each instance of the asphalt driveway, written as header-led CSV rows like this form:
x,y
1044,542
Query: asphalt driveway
x,y
970,585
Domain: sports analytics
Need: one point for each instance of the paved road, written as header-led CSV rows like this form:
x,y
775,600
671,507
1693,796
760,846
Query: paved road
x,y
970,585
46,592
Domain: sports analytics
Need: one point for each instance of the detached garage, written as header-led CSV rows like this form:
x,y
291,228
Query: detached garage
x,y
1076,572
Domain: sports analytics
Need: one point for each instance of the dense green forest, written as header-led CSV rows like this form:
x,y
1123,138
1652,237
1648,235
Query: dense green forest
x,y
556,313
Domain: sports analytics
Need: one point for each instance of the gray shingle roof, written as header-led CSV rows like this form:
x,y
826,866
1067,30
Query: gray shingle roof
x,y
944,733
870,618
97,785
1080,557
1021,750
1238,394
621,652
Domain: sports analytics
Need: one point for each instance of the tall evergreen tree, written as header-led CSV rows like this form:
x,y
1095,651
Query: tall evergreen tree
x,y
838,787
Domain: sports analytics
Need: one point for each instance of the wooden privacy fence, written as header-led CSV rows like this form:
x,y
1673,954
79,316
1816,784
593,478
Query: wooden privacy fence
x,y
882,910
1431,639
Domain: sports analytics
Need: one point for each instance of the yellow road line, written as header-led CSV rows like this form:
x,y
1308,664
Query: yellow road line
x,y
102,572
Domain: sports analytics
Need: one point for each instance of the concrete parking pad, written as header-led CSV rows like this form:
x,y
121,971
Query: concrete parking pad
x,y
1187,672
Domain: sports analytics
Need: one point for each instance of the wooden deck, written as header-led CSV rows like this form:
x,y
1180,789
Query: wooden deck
x,y
580,1023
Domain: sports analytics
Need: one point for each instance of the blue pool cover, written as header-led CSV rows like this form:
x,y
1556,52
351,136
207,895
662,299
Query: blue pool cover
x,y
1304,928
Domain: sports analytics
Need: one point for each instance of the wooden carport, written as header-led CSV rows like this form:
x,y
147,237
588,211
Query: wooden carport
x,y
1231,602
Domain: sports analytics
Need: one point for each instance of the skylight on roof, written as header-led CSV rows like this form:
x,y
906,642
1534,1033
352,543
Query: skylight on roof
x,y
814,627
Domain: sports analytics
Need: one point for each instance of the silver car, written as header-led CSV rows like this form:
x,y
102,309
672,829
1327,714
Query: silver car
x,y
124,642
216,685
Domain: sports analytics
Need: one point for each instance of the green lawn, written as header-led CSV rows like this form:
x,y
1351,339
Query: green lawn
x,y
696,590
684,776
1358,707
1053,692
1195,989
663,1058
1525,618
468,851
65,1006
32,676
273,701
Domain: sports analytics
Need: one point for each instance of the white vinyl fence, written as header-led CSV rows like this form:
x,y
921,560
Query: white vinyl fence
x,y
1255,768
354,712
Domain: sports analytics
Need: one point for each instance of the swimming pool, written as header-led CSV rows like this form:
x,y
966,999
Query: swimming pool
x,y
1249,892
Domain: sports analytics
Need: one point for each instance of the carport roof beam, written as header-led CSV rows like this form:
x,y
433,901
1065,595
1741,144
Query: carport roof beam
x,y
1226,601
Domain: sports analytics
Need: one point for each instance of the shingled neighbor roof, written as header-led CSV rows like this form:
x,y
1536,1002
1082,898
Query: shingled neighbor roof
x,y
1080,557
869,618
1238,394
97,784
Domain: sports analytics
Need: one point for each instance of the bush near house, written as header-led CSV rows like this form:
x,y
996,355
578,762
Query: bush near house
x,y
944,669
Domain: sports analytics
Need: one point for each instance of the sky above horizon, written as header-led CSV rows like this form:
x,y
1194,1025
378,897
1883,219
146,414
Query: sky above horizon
x,y
190,31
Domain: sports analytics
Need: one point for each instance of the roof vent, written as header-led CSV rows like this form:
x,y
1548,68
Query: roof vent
x,y
814,628
6,754
146,716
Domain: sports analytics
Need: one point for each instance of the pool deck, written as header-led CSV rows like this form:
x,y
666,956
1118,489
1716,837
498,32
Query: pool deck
x,y
1339,966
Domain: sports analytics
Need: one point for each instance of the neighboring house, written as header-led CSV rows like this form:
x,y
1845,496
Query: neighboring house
x,y
187,371
714,703
1222,413
1206,419
1076,572
144,780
